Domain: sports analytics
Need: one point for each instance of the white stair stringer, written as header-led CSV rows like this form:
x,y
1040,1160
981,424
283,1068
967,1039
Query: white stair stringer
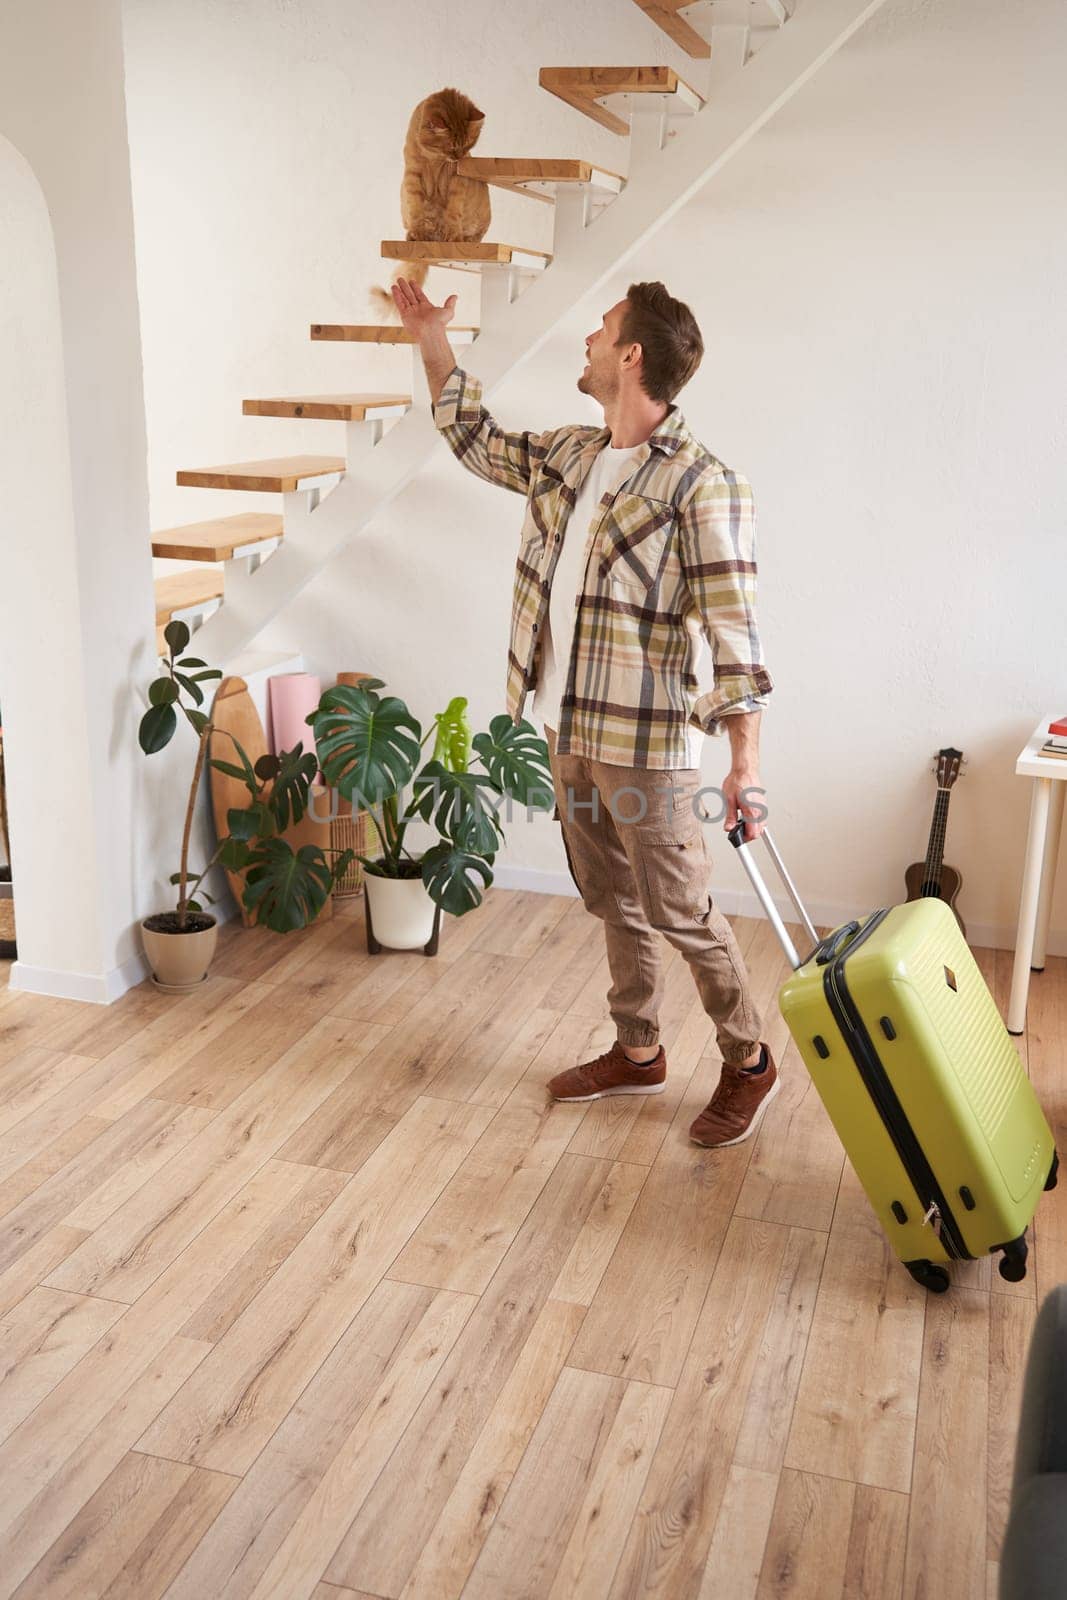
x,y
742,104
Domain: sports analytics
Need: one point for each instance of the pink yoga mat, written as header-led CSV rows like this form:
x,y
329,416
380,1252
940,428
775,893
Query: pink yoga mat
x,y
292,696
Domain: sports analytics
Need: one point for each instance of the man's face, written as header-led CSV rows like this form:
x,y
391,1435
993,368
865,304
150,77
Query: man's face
x,y
602,374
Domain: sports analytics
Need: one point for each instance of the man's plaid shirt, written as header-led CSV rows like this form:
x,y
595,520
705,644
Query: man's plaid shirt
x,y
670,556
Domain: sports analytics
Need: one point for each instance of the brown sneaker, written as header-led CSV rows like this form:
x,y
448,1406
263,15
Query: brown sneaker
x,y
736,1108
611,1073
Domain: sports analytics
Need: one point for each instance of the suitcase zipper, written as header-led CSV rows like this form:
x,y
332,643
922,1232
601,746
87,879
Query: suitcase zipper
x,y
889,1108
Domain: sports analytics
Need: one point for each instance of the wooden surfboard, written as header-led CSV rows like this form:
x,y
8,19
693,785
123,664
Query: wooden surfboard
x,y
234,713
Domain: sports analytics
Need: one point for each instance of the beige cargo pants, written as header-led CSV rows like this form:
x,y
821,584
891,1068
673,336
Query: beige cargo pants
x,y
649,875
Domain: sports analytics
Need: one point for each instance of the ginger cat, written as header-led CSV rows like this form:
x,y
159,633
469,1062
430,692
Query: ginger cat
x,y
434,202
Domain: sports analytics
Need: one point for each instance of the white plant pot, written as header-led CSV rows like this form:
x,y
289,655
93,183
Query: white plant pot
x,y
402,911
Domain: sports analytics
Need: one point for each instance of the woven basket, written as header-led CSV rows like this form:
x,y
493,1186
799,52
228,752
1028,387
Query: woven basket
x,y
354,833
7,919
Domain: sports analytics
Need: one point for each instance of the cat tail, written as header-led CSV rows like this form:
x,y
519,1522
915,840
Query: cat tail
x,y
382,300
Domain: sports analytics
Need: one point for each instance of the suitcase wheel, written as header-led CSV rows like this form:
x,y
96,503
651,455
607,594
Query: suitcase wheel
x,y
1013,1261
930,1274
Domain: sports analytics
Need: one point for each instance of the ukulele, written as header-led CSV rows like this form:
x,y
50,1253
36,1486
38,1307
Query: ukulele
x,y
931,878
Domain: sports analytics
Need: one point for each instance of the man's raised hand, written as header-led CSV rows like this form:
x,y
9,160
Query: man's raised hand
x,y
417,313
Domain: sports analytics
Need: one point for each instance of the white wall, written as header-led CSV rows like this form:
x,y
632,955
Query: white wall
x,y
75,578
878,276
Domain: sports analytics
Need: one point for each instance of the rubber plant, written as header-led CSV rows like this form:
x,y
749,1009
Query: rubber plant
x,y
370,745
284,889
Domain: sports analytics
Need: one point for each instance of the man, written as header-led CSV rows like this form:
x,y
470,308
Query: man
x,y
637,544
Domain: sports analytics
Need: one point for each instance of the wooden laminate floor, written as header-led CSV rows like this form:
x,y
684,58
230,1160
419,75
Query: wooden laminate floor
x,y
307,1289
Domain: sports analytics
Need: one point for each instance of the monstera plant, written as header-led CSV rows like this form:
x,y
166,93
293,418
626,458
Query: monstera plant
x,y
370,747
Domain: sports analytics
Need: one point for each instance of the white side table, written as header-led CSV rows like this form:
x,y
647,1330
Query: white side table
x,y
1039,873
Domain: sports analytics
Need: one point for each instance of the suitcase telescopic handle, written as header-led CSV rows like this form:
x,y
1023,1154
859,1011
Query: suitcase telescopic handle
x,y
831,947
736,836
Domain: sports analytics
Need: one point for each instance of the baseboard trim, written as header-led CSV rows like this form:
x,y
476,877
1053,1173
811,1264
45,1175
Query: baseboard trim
x,y
743,903
535,880
93,988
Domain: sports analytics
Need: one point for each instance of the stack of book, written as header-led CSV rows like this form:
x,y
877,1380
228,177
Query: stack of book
x,y
1056,743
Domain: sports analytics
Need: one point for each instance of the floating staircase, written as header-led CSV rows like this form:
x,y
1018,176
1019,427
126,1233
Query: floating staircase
x,y
749,58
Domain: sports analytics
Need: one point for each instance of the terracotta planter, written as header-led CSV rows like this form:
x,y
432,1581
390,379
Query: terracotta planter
x,y
400,914
179,961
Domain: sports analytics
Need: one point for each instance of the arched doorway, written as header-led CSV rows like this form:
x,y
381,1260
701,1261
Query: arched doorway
x,y
42,656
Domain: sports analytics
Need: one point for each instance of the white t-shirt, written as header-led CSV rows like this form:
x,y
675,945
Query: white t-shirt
x,y
609,469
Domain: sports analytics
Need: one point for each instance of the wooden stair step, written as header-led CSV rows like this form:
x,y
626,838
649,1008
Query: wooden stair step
x,y
757,15
181,591
541,179
464,255
277,475
588,88
218,538
378,332
666,15
330,407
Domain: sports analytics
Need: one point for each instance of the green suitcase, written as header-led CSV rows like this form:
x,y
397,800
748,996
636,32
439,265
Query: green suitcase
x,y
919,1075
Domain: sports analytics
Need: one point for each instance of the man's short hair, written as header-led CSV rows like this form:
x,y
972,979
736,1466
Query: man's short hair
x,y
666,330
